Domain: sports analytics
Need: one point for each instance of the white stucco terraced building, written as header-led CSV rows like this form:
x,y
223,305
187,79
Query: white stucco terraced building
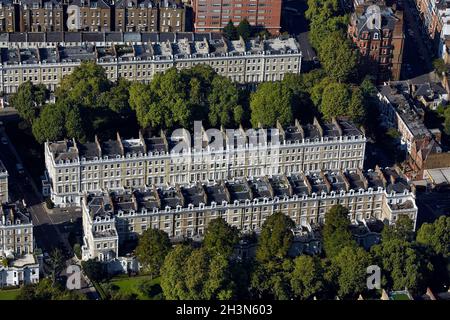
x,y
112,218
74,168
241,61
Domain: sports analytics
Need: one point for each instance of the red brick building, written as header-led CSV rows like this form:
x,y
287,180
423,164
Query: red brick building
x,y
214,15
377,31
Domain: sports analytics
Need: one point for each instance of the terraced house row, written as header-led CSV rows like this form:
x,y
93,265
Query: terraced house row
x,y
243,62
18,264
92,15
73,168
110,219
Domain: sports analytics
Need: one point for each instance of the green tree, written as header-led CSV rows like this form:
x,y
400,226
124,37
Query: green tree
x,y
50,125
326,8
207,277
403,229
402,265
335,100
219,284
306,278
336,231
271,102
45,290
337,57
170,90
220,238
230,32
356,110
272,279
74,127
302,106
436,235
317,91
224,108
29,100
153,246
173,282
271,276
351,264
196,275
176,98
118,97
56,263
86,85
244,29
95,270
141,101
275,239
440,66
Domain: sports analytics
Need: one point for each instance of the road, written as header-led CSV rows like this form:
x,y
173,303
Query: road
x,y
86,286
294,21
22,186
416,54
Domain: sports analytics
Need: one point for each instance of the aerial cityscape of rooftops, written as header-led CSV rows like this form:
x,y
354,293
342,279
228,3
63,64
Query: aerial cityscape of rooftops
x,y
224,150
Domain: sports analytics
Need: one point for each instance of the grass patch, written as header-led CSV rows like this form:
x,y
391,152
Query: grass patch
x,y
133,285
9,294
400,296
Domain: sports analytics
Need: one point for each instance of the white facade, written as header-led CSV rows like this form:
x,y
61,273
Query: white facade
x,y
22,271
251,62
70,173
111,219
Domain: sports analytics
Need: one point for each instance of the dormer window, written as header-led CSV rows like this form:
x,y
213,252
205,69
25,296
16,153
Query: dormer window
x,y
375,36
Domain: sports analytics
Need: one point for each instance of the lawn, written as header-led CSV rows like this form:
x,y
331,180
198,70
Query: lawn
x,y
400,296
9,294
130,285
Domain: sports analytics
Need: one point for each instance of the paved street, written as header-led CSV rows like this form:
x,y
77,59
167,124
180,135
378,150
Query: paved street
x,y
294,20
22,186
417,59
87,287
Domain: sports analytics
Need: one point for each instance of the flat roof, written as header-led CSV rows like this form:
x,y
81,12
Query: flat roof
x,y
438,176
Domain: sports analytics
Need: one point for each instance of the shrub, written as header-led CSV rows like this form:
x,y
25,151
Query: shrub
x,y
77,250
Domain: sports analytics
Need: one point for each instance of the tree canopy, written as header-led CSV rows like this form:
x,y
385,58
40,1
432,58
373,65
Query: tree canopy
x,y
276,238
220,238
306,277
338,99
87,103
230,31
193,274
177,98
271,102
401,230
351,264
153,246
29,100
336,231
436,235
45,290
401,263
244,29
